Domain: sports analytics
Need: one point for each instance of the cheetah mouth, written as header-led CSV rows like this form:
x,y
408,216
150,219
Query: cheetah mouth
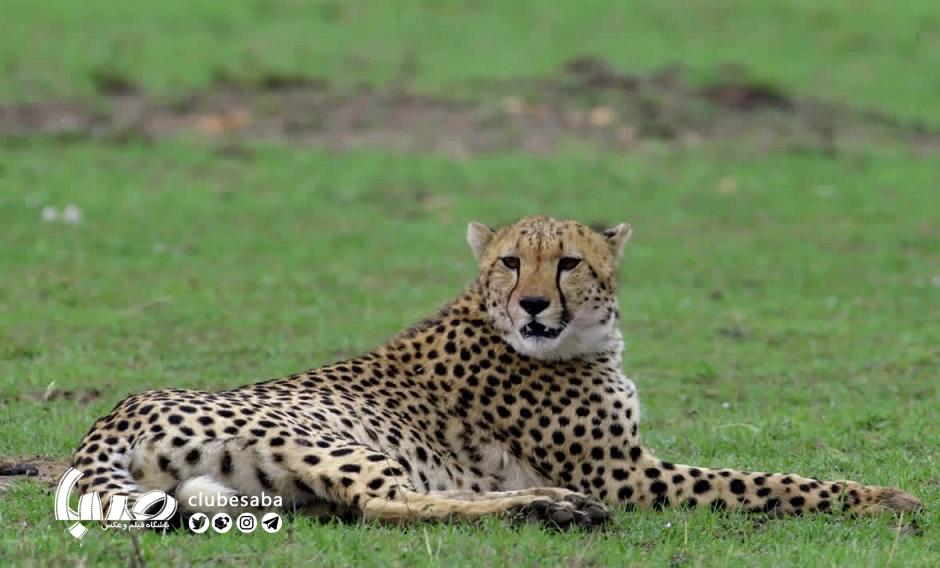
x,y
534,329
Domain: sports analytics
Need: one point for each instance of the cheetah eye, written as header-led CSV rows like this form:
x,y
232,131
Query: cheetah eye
x,y
568,263
510,262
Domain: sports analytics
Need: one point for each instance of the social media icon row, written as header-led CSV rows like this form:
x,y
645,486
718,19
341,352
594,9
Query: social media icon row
x,y
222,523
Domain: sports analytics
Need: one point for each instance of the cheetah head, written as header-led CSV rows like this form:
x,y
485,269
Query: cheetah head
x,y
550,286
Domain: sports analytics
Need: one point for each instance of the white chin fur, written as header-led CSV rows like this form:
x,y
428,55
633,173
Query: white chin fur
x,y
570,343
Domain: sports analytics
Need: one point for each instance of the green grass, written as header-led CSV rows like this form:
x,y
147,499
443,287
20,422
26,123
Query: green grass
x,y
875,54
819,356
789,323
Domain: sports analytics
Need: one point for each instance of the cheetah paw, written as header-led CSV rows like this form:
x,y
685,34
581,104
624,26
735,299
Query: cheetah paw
x,y
573,511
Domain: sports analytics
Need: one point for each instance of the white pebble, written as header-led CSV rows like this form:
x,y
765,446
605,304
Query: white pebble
x,y
49,214
72,214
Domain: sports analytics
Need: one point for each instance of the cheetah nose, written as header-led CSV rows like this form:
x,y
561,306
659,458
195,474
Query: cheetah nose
x,y
533,305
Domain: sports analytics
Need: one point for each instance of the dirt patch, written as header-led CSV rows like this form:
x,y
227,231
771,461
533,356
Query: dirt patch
x,y
44,470
53,393
84,395
587,101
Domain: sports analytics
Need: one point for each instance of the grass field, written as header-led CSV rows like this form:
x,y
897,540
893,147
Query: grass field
x,y
882,54
781,306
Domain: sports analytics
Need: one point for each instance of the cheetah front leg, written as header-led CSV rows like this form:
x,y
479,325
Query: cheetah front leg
x,y
556,493
375,484
573,510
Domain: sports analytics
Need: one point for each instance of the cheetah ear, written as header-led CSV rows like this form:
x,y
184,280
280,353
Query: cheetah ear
x,y
617,237
479,236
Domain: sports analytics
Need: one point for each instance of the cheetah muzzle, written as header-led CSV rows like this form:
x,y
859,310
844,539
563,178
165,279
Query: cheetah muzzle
x,y
510,401
536,329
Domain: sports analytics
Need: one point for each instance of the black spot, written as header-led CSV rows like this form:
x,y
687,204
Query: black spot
x,y
660,501
797,501
192,456
652,473
299,484
737,486
658,487
226,464
264,479
624,493
636,452
311,459
701,486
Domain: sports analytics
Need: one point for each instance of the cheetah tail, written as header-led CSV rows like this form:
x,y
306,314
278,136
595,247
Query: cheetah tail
x,y
658,483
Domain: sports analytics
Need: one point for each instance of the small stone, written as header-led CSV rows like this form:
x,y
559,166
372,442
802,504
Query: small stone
x,y
601,116
513,106
72,214
728,186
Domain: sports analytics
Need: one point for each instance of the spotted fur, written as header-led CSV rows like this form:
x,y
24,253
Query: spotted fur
x,y
510,399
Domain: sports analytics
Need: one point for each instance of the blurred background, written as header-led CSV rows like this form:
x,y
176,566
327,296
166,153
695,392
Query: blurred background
x,y
473,76
199,193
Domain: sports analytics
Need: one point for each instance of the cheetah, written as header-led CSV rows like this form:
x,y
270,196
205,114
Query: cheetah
x,y
510,401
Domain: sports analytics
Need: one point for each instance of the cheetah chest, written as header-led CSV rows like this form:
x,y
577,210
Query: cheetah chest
x,y
490,462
